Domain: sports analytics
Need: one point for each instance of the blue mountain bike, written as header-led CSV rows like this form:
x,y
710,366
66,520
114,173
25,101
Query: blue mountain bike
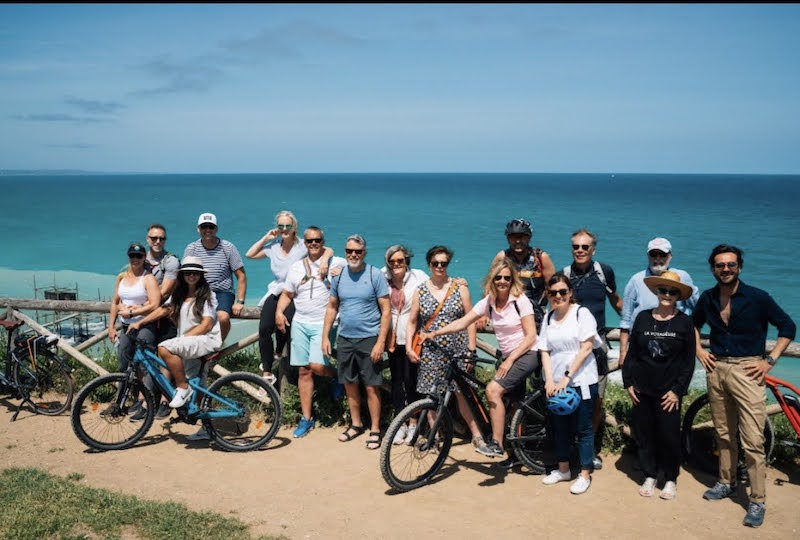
x,y
240,411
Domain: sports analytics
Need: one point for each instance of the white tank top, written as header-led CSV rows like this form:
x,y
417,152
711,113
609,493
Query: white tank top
x,y
132,295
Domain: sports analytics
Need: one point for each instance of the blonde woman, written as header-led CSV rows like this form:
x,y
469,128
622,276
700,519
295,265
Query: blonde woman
x,y
283,247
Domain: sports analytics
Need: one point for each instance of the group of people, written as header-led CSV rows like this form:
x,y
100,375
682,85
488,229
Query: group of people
x,y
543,319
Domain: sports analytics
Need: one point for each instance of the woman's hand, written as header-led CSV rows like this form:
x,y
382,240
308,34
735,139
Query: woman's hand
x,y
335,271
562,384
425,336
112,334
549,388
633,394
413,357
133,327
669,401
502,369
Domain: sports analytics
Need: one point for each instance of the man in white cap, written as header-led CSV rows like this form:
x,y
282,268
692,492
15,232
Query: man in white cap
x,y
222,261
638,296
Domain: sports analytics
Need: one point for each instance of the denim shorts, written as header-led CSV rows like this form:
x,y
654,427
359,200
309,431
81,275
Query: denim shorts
x,y
224,301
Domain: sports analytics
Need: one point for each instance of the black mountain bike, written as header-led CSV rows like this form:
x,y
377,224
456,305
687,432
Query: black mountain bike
x,y
34,373
409,466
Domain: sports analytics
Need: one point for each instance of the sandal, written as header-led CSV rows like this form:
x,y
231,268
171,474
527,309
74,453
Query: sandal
x,y
346,436
374,439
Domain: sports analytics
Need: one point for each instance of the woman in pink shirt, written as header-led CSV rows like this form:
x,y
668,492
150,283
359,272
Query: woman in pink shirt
x,y
511,315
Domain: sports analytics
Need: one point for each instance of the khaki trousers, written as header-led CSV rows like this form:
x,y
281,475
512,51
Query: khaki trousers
x,y
738,405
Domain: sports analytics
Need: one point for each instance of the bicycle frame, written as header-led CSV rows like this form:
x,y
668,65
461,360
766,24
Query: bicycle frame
x,y
792,413
152,362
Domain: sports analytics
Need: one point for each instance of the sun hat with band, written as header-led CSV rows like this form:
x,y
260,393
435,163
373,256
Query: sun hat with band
x,y
669,279
192,264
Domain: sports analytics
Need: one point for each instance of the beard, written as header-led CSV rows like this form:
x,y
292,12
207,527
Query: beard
x,y
658,269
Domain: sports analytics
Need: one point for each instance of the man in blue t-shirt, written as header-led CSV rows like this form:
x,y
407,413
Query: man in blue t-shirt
x,y
593,282
360,296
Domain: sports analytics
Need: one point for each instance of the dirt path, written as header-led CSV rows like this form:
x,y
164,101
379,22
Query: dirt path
x,y
316,487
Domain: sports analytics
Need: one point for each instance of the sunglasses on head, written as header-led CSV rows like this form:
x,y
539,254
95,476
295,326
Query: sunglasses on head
x,y
440,264
584,247
664,291
353,251
731,264
208,226
557,292
312,240
157,238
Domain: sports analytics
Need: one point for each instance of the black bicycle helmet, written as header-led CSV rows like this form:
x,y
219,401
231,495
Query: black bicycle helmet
x,y
519,226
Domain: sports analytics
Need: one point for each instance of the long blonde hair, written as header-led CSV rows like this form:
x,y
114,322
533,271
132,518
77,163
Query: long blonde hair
x,y
489,289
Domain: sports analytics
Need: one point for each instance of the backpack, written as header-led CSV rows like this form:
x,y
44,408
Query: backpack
x,y
598,269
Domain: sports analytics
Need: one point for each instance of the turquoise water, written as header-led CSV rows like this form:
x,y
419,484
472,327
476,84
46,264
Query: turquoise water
x,y
74,230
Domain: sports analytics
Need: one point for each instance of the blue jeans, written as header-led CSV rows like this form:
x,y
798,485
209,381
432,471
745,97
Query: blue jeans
x,y
578,423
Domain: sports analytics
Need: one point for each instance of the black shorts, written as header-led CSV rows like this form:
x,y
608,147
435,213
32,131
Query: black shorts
x,y
353,362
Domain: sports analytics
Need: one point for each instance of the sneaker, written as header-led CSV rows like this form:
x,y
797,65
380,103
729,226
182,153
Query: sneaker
x,y
597,463
648,487
111,411
510,462
303,427
201,435
337,389
755,515
555,477
400,436
580,485
412,429
482,447
271,380
163,410
136,407
669,492
140,414
720,491
182,397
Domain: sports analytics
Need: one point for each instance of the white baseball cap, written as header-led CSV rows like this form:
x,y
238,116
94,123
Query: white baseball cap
x,y
661,244
207,218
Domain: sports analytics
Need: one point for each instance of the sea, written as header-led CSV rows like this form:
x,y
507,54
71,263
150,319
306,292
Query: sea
x,y
73,230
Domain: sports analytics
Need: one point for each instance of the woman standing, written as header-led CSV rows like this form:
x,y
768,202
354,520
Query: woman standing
x,y
657,373
403,282
569,333
283,248
511,315
437,302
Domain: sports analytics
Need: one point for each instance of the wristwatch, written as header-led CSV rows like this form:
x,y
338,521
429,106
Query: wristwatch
x,y
566,374
770,360
240,301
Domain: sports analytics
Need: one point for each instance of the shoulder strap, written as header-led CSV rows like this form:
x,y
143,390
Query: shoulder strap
x,y
537,255
568,271
599,269
453,287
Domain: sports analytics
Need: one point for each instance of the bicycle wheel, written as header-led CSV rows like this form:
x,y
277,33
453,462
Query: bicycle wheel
x,y
528,433
699,438
259,412
100,417
408,466
46,381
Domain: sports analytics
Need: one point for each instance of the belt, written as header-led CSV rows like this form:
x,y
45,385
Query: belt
x,y
736,359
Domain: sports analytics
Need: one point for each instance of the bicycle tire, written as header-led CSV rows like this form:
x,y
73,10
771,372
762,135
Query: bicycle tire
x,y
103,425
529,437
259,421
699,442
405,467
46,382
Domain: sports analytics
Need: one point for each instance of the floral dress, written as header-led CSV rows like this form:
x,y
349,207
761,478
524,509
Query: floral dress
x,y
433,360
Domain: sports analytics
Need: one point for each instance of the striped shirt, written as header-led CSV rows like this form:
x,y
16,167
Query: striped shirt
x,y
220,262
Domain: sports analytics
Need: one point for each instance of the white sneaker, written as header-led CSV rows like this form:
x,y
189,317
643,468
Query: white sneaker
x,y
555,477
580,485
412,429
201,435
182,397
271,380
669,492
400,436
648,487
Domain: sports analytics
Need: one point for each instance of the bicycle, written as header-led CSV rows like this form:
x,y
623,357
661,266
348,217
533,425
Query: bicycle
x,y
410,466
240,411
34,373
699,437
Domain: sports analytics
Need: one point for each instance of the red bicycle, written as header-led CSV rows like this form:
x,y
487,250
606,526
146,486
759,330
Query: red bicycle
x,y
699,438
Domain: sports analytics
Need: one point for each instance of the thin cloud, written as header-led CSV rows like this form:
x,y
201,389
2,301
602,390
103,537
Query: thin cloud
x,y
89,106
287,41
59,118
180,76
72,146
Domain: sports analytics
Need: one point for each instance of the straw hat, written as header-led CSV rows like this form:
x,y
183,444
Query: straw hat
x,y
669,279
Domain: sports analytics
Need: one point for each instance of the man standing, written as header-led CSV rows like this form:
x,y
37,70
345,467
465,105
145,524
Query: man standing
x,y
738,316
361,292
310,291
638,296
221,260
164,267
593,282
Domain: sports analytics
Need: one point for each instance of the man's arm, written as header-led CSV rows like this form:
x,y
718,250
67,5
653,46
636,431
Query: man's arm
x,y
241,291
548,268
281,322
386,324
330,316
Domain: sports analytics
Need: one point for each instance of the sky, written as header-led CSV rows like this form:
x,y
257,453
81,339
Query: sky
x,y
205,88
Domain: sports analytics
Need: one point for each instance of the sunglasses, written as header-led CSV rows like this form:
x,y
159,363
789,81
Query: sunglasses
x,y
668,292
288,227
584,247
353,251
657,254
397,262
439,264
157,238
208,226
731,264
557,292
135,256
312,240
502,278
192,273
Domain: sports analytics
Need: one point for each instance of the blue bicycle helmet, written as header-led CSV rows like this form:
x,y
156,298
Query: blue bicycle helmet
x,y
519,226
565,402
